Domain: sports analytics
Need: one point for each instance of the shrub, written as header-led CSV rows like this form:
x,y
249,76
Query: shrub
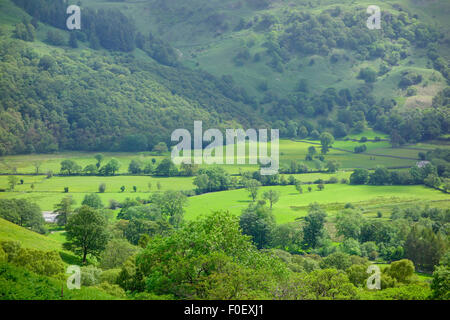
x,y
47,263
102,188
11,249
112,289
3,256
90,276
333,180
110,276
400,270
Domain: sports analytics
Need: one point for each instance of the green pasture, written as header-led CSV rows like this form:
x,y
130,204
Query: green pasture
x,y
47,200
293,205
52,162
89,184
289,150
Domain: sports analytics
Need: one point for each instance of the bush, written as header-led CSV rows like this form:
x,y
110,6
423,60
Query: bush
x,y
3,256
47,263
112,289
11,249
102,188
337,260
333,180
400,270
110,276
90,276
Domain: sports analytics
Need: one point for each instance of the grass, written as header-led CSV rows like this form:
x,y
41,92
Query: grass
x,y
90,184
52,162
48,192
289,150
333,198
47,200
29,239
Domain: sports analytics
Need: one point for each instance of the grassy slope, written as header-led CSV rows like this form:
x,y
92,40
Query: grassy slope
x,y
29,239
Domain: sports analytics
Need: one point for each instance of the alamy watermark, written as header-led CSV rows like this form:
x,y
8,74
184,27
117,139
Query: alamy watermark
x,y
74,281
374,281
374,21
258,146
74,20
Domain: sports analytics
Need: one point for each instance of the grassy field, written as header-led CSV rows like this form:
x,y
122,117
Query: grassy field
x,y
52,162
47,192
79,184
333,198
289,150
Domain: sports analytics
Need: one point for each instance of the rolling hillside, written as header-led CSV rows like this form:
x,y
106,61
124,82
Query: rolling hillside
x,y
141,69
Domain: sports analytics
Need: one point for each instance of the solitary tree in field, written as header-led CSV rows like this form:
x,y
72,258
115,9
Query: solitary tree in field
x,y
37,165
272,196
114,165
70,167
332,166
320,186
86,232
252,187
12,181
326,140
149,185
99,157
298,187
309,188
102,188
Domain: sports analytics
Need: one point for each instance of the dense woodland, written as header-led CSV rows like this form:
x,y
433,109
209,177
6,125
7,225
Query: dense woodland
x,y
82,101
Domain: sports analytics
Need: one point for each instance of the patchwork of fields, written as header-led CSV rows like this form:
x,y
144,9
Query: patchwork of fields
x,y
333,198
47,192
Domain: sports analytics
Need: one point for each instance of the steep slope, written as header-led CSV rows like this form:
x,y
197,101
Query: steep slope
x,y
56,97
135,71
29,239
231,37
